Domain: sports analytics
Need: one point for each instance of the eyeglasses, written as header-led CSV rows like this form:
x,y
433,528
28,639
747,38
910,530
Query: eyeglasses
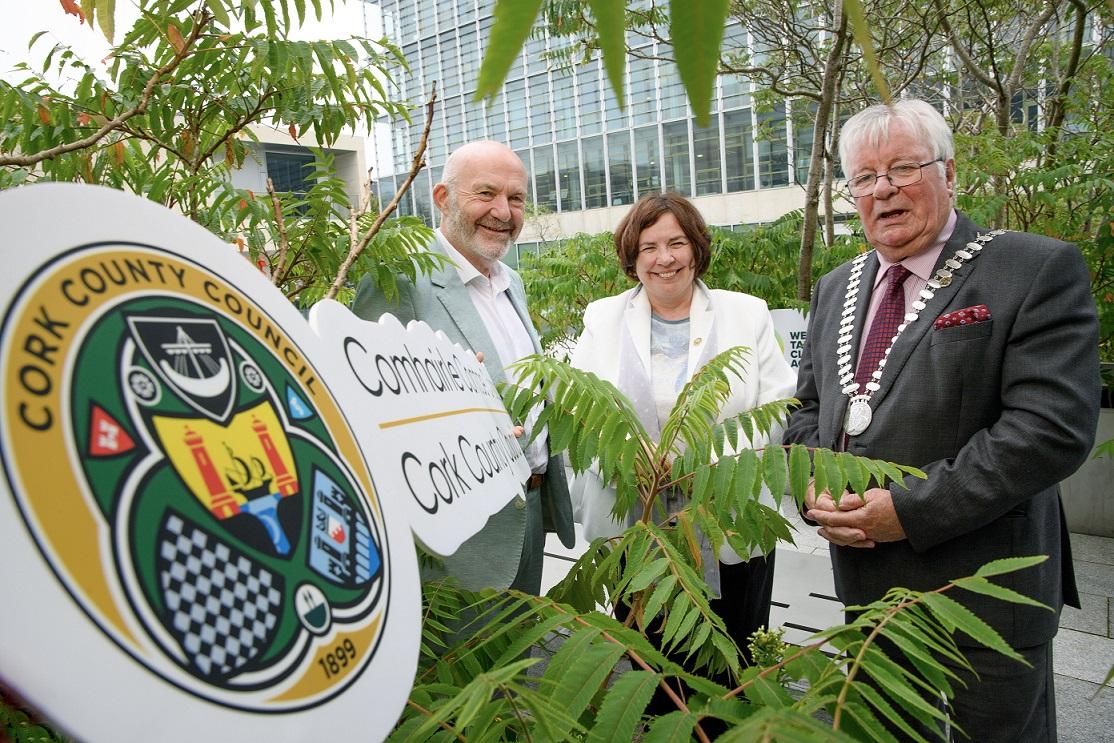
x,y
899,176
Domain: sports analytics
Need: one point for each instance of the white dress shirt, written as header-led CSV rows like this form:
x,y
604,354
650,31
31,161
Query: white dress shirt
x,y
504,325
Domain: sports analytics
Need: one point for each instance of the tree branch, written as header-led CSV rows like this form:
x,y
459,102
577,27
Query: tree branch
x,y
280,272
415,167
201,20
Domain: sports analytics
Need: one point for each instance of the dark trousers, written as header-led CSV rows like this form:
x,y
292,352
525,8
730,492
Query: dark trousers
x,y
1008,702
744,606
529,576
1003,701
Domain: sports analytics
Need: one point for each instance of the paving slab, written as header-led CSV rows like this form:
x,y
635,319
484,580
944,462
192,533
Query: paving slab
x,y
1093,617
1084,713
1082,656
1089,548
1094,577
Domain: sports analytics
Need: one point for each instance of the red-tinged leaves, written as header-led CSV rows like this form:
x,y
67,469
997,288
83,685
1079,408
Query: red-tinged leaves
x,y
251,194
243,204
240,244
70,7
118,153
187,144
84,118
293,132
44,114
175,37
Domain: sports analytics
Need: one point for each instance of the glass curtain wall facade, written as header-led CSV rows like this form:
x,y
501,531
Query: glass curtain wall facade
x,y
582,150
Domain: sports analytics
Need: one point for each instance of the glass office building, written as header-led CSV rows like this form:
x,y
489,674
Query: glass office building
x,y
583,151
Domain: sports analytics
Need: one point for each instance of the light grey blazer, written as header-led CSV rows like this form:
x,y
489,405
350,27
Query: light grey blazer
x,y
491,557
997,413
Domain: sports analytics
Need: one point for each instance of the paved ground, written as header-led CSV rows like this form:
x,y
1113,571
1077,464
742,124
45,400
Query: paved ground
x,y
804,602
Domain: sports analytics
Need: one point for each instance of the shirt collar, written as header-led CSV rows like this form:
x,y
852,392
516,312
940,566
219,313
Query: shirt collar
x,y
921,264
498,281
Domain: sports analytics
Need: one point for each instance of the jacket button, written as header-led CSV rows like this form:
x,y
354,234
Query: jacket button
x,y
519,502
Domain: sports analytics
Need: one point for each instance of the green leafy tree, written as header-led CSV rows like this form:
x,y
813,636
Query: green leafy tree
x,y
172,113
556,668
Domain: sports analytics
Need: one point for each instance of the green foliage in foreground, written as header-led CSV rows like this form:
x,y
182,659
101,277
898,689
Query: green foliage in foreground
x,y
480,675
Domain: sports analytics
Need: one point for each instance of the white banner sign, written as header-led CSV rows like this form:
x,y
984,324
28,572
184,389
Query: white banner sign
x,y
446,448
791,327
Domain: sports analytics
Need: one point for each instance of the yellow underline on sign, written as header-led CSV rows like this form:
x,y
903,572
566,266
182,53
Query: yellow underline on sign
x,y
445,414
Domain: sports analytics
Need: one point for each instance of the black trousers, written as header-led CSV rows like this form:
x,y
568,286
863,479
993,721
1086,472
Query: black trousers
x,y
1003,701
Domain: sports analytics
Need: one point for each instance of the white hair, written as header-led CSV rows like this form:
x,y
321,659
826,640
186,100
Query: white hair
x,y
871,126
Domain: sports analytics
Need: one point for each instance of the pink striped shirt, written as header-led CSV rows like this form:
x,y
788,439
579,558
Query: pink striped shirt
x,y
920,266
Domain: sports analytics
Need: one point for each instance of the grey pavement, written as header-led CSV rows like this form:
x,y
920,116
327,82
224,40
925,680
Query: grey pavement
x,y
1083,652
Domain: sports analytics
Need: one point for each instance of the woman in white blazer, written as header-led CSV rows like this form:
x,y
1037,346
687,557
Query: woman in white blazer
x,y
651,339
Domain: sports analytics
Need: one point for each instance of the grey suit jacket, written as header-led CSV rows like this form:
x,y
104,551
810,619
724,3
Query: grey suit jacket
x,y
997,413
491,557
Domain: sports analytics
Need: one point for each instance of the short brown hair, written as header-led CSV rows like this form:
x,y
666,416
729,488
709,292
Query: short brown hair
x,y
647,211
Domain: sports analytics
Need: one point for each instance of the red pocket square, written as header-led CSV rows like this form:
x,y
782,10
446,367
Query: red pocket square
x,y
965,316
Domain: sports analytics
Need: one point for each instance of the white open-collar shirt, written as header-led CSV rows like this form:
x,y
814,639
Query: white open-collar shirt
x,y
512,340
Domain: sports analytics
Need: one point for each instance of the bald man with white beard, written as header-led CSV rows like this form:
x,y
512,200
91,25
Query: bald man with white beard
x,y
479,302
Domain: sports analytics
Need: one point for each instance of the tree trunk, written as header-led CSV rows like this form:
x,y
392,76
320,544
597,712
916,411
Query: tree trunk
x,y
816,163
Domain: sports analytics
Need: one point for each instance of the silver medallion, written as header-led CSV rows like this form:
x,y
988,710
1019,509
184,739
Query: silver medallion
x,y
858,415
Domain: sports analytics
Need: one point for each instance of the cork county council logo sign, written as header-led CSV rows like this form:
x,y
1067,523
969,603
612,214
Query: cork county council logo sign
x,y
179,458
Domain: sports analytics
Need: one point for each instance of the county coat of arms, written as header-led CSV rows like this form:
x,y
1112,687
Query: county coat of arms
x,y
191,480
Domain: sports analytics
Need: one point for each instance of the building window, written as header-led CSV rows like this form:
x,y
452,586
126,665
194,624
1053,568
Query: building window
x,y
454,123
290,171
647,170
588,81
496,126
469,58
804,124
568,169
705,150
642,94
619,168
545,183
595,173
738,150
674,104
426,13
773,149
616,118
518,127
431,66
676,140
564,113
541,117
450,82
423,201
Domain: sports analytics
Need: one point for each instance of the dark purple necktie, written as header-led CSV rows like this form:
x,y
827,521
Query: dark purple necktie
x,y
891,311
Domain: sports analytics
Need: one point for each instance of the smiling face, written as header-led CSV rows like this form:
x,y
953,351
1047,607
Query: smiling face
x,y
901,223
481,202
665,267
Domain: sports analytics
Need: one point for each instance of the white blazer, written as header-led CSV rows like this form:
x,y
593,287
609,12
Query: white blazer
x,y
725,318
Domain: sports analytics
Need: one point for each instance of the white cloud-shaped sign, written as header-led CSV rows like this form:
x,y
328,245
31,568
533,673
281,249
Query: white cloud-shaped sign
x,y
446,447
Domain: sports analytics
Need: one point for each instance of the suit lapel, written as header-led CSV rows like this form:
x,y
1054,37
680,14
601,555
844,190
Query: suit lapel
x,y
915,333
637,318
453,296
701,318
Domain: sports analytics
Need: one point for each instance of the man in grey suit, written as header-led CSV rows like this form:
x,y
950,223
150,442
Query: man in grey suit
x,y
983,372
479,302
